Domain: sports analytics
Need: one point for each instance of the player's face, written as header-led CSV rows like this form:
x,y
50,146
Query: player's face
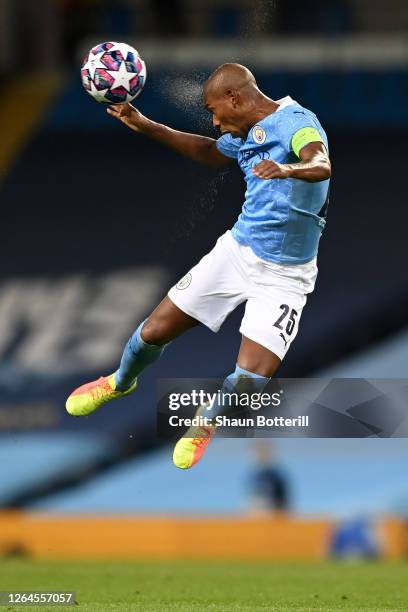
x,y
224,115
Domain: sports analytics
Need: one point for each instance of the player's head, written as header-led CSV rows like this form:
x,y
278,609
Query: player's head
x,y
230,94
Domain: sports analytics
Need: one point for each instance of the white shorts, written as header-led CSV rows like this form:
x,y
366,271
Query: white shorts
x,y
230,274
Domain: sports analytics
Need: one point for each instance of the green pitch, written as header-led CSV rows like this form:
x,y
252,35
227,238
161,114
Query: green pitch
x,y
215,586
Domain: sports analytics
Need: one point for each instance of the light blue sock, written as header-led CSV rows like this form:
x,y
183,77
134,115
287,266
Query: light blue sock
x,y
137,355
240,381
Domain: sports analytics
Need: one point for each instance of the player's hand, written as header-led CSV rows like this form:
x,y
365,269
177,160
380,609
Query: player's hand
x,y
129,115
268,169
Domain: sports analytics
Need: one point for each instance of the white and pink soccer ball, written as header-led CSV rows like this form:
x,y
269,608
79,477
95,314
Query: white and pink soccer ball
x,y
113,73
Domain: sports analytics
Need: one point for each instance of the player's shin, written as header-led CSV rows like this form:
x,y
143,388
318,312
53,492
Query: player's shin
x,y
235,385
191,447
136,356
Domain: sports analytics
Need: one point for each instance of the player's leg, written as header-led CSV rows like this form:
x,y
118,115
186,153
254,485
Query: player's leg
x,y
255,367
144,347
166,322
207,294
256,358
269,326
148,342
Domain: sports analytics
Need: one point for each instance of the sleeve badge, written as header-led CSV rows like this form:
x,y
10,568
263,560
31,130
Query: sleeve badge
x,y
258,134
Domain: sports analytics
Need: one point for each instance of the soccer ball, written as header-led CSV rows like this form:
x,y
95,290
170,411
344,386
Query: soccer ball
x,y
113,73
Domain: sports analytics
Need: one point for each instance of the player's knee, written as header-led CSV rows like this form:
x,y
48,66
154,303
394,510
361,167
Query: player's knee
x,y
154,331
260,367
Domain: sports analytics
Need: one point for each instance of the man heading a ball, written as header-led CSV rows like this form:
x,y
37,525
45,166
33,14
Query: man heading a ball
x,y
267,260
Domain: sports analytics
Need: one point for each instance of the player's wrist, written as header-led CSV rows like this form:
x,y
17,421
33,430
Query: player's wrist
x,y
138,121
148,127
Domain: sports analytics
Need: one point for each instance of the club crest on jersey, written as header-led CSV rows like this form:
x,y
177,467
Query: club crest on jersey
x,y
184,282
259,134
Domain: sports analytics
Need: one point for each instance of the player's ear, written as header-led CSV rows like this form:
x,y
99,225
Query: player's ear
x,y
232,96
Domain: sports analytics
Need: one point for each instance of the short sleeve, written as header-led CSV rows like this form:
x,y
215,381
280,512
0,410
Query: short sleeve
x,y
298,128
229,146
303,137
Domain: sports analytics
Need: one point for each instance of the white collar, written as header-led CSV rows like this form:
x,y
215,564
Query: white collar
x,y
283,102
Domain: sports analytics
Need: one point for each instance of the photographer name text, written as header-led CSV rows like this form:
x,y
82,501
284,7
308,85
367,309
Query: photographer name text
x,y
225,421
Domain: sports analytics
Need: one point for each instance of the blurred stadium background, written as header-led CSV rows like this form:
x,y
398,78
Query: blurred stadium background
x,y
98,223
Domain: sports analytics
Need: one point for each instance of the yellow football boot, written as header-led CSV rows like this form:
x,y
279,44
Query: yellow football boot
x,y
91,396
192,446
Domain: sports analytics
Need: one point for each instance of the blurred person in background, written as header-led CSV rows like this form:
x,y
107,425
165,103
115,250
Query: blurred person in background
x,y
268,484
356,538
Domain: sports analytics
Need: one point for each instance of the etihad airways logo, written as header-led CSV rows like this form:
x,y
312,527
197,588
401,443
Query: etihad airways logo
x,y
252,157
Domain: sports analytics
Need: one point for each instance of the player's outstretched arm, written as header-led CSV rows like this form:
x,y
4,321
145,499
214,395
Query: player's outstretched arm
x,y
314,166
196,147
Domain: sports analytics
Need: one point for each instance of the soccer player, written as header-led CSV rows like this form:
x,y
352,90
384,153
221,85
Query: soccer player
x,y
267,260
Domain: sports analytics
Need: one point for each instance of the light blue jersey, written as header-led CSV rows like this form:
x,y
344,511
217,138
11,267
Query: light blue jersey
x,y
282,219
